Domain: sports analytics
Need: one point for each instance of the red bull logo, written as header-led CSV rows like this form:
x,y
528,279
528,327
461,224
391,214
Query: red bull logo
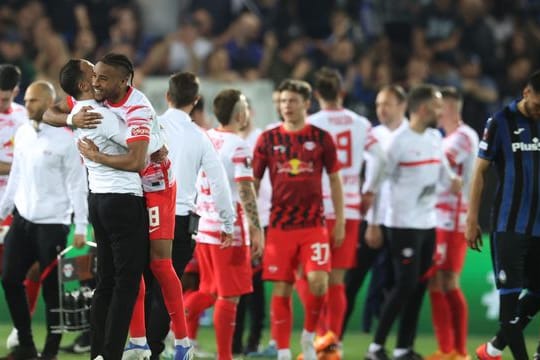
x,y
295,167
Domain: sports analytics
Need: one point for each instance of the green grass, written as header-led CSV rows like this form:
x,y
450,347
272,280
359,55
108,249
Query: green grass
x,y
355,343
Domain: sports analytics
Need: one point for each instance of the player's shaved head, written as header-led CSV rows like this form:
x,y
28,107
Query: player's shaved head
x,y
43,89
38,97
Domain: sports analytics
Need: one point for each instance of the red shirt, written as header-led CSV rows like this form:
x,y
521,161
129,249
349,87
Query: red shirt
x,y
295,161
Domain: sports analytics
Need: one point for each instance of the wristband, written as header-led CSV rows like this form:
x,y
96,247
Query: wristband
x,y
69,120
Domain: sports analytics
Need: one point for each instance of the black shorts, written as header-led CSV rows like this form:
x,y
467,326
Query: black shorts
x,y
515,260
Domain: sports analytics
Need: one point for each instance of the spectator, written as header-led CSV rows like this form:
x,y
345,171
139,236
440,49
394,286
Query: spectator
x,y
244,50
286,60
476,34
182,50
52,53
437,30
479,93
218,66
12,51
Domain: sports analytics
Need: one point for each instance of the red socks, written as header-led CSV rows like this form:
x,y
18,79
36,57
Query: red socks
x,y
195,304
312,310
337,305
32,291
224,322
137,326
460,317
440,313
281,321
171,289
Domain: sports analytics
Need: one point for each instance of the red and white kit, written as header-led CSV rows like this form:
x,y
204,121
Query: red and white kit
x,y
139,114
227,271
10,121
460,149
416,165
352,135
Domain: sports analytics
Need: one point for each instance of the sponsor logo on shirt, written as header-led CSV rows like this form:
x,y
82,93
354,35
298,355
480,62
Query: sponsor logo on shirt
x,y
534,146
295,167
140,131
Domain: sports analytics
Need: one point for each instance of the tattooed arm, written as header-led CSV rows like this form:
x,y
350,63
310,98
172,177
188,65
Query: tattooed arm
x,y
246,190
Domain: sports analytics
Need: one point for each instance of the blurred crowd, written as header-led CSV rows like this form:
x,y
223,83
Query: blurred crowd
x,y
486,48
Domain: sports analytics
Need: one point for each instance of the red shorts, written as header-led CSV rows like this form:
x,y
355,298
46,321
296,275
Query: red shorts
x,y
161,207
225,272
344,256
286,249
450,251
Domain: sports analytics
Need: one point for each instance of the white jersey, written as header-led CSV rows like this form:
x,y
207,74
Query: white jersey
x,y
110,137
47,183
460,148
188,158
352,135
416,164
10,121
236,156
385,137
141,119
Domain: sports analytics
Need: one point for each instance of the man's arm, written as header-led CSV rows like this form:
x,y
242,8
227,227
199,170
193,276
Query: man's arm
x,y
336,190
219,185
5,168
246,191
134,160
473,233
375,167
57,115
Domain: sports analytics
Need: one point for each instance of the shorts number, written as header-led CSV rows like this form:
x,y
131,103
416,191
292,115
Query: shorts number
x,y
153,215
321,253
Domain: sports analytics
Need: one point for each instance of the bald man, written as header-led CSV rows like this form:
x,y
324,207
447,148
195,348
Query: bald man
x,y
46,185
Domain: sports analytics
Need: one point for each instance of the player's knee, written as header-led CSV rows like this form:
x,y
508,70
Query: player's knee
x,y
318,283
450,281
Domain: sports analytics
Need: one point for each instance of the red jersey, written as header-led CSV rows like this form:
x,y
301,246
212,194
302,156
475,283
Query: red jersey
x,y
295,161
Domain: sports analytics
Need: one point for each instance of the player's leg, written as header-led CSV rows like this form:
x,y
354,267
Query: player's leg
x,y
509,251
279,264
410,313
19,255
440,306
124,217
162,221
205,296
529,303
158,323
315,255
31,285
404,251
233,276
343,258
50,238
451,270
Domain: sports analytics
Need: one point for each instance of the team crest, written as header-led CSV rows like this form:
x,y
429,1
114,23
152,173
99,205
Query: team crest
x,y
309,145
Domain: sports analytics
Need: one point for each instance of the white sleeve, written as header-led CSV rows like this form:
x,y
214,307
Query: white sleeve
x,y
447,174
7,203
219,185
77,187
375,167
390,167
